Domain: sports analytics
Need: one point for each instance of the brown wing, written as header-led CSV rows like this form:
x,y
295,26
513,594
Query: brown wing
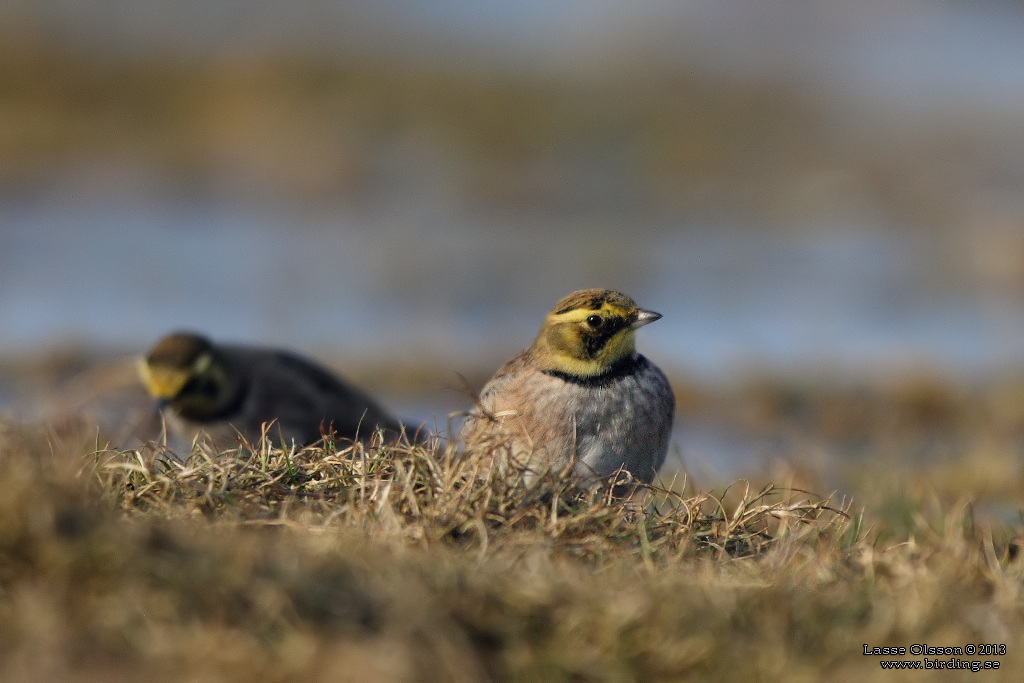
x,y
501,393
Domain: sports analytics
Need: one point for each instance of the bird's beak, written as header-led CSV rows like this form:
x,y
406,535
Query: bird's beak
x,y
644,317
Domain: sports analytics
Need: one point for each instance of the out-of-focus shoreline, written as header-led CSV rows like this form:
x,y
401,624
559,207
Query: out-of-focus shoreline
x,y
308,128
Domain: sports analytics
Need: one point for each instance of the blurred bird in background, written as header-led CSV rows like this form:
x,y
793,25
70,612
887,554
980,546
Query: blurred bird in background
x,y
223,390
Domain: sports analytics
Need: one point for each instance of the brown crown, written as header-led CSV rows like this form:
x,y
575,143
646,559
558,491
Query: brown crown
x,y
179,350
593,299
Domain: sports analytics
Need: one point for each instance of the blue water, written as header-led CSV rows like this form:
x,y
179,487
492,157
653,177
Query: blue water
x,y
465,289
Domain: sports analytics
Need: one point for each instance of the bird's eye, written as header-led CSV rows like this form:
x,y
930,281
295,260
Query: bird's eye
x,y
595,321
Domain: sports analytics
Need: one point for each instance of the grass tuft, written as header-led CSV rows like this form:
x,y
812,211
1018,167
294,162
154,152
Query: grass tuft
x,y
403,562
431,495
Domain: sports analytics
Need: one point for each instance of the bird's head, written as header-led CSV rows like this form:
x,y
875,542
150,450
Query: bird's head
x,y
587,332
185,371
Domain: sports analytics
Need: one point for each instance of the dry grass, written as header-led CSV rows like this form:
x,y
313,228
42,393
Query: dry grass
x,y
431,495
402,563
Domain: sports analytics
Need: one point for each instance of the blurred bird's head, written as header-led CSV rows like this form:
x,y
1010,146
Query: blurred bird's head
x,y
588,332
185,371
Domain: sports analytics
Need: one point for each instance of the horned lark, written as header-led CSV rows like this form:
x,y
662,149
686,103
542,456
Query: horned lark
x,y
220,388
580,395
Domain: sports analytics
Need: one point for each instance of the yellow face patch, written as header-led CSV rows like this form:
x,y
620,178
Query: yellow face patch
x,y
588,332
586,341
162,382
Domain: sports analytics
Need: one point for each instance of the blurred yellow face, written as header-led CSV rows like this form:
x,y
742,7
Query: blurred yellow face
x,y
165,381
162,382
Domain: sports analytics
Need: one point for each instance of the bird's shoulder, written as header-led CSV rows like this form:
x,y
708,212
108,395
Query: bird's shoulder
x,y
273,374
512,374
297,390
282,366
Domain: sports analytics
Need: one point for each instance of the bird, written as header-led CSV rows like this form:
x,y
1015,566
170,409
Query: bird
x,y
226,389
580,396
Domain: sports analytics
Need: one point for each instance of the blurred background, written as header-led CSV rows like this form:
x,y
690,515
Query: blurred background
x,y
825,199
